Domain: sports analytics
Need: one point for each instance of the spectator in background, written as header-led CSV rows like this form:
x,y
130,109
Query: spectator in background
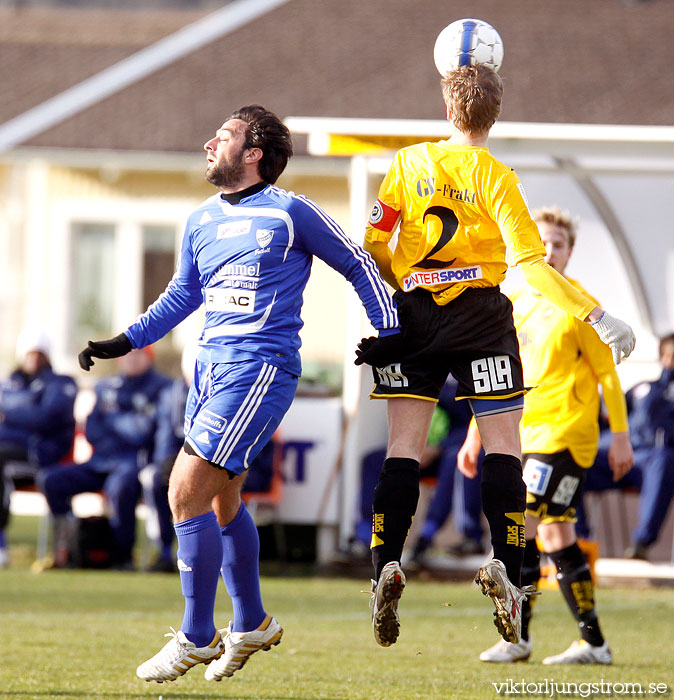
x,y
651,418
37,423
651,409
121,431
468,519
169,438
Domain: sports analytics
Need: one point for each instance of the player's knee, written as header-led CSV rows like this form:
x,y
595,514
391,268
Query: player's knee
x,y
556,536
227,503
185,498
177,499
498,421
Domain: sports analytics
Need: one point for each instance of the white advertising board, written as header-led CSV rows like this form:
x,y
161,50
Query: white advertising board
x,y
311,434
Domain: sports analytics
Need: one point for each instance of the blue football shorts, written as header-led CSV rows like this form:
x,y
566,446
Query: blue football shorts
x,y
233,409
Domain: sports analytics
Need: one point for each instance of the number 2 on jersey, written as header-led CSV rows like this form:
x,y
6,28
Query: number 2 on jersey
x,y
449,225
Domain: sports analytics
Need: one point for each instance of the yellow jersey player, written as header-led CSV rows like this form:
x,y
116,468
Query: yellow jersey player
x,y
458,208
563,360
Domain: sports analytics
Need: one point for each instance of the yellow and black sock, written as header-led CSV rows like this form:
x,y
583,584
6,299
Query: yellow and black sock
x,y
575,583
395,502
503,502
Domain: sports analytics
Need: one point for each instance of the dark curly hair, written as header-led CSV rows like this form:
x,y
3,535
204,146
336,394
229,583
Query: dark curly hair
x,y
268,133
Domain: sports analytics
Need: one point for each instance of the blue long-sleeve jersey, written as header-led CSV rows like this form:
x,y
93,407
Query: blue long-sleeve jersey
x,y
37,412
124,417
249,263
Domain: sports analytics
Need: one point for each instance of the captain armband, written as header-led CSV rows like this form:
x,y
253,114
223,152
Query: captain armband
x,y
383,217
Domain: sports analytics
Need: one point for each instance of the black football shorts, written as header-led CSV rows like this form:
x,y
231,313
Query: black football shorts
x,y
554,485
473,337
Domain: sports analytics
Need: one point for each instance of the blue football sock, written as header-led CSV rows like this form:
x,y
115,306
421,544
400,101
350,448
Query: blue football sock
x,y
199,557
241,571
3,542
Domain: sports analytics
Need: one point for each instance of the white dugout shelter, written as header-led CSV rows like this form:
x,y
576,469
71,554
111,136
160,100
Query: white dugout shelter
x,y
618,181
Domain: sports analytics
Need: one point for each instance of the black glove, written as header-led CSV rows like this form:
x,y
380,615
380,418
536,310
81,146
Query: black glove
x,y
380,352
105,349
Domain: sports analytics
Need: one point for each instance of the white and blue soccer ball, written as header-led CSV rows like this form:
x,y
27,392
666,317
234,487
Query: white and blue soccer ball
x,y
467,42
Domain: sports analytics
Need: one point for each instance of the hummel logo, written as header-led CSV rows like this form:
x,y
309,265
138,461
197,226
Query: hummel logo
x,y
182,566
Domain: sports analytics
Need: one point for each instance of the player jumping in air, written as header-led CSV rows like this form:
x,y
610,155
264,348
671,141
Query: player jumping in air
x,y
458,209
246,255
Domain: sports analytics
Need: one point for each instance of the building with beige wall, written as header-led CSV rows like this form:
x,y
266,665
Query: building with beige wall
x,y
104,113
87,246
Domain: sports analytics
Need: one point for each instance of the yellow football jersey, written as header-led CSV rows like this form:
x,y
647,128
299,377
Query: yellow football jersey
x,y
458,208
564,360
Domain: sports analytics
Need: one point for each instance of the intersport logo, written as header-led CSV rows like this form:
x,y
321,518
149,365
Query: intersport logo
x,y
449,276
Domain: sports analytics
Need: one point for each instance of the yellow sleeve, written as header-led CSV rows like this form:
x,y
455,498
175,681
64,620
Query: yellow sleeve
x,y
599,357
555,288
615,402
383,258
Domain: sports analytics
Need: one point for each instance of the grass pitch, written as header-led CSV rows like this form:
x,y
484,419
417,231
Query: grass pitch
x,y
80,635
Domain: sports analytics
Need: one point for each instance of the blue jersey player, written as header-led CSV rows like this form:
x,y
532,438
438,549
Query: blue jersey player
x,y
246,255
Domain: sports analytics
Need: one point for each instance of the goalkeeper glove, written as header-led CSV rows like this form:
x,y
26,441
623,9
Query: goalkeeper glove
x,y
105,349
379,352
616,334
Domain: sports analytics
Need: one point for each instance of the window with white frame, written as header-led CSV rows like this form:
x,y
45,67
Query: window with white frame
x,y
117,262
93,280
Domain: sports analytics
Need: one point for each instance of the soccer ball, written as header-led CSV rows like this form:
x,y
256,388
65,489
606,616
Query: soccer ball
x,y
467,42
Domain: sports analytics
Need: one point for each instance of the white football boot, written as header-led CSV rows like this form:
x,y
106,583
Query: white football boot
x,y
581,652
240,646
178,656
507,598
505,653
384,604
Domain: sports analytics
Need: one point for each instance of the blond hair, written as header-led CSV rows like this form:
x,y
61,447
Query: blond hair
x,y
556,217
473,94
